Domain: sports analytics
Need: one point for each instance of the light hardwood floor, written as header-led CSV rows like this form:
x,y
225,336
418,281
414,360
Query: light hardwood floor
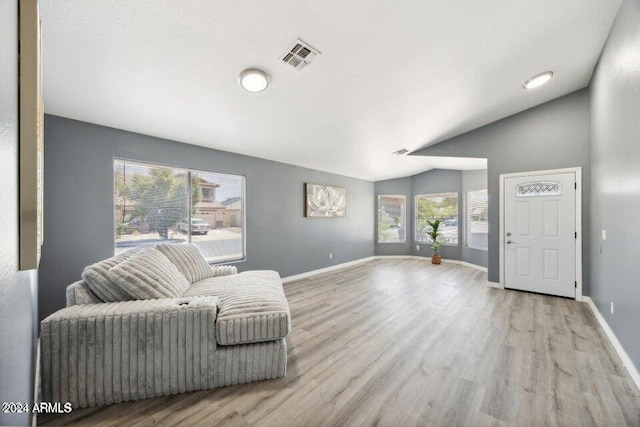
x,y
402,342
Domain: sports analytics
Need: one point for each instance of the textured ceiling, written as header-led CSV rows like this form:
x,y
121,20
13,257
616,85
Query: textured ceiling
x,y
392,74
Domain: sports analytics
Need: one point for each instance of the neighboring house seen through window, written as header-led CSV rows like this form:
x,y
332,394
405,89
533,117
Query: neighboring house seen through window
x,y
392,219
477,219
429,207
160,204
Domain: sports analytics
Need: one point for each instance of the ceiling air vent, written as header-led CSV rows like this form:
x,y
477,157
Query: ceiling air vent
x,y
299,55
401,152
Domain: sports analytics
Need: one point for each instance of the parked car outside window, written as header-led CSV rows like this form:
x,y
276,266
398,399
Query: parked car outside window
x,y
198,226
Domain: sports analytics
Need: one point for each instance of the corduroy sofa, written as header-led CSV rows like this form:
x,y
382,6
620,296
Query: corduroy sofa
x,y
161,321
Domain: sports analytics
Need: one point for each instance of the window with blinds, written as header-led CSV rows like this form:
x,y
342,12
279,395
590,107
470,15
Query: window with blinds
x,y
161,204
429,207
477,219
392,226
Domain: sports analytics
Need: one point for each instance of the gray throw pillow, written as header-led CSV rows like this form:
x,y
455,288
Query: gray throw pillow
x,y
149,275
97,277
189,260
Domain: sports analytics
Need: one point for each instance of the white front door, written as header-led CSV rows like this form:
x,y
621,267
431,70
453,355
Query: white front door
x,y
540,233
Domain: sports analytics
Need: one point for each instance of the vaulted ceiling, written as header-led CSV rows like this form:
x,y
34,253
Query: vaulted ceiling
x,y
391,74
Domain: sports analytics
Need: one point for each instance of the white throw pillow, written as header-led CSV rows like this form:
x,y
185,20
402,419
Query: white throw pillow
x,y
149,275
97,277
189,260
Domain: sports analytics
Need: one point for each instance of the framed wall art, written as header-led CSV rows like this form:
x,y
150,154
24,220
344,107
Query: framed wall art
x,y
31,149
325,201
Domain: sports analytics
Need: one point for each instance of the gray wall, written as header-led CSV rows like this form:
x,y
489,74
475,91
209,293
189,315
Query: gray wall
x,y
433,181
17,289
79,205
395,187
552,135
615,180
471,181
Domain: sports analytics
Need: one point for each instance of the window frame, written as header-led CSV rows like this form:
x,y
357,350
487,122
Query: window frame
x,y
467,218
403,222
415,215
189,171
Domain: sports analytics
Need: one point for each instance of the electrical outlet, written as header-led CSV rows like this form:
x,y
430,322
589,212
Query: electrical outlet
x,y
604,234
417,247
330,255
612,307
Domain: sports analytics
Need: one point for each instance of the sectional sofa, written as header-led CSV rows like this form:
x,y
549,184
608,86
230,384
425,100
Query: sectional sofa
x,y
160,321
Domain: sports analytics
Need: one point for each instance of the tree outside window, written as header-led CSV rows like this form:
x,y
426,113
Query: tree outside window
x,y
392,219
159,204
429,207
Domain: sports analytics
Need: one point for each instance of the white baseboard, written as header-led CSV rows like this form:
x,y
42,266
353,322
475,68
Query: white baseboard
x,y
494,285
326,269
422,258
371,258
466,264
626,360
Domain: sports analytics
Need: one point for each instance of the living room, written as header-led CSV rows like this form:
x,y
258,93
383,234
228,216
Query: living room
x,y
152,86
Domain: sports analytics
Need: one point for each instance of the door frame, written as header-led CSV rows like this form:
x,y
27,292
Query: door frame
x,y
578,266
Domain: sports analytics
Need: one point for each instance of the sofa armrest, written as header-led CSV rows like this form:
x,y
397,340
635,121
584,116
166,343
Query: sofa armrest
x,y
80,293
224,270
99,354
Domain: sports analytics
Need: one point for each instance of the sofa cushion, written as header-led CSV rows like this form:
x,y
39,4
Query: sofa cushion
x,y
149,275
252,307
97,277
188,259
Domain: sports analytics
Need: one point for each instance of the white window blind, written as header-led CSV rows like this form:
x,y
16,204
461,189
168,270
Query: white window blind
x,y
162,204
429,207
477,219
392,219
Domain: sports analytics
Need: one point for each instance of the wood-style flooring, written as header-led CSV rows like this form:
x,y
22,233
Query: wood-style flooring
x,y
402,342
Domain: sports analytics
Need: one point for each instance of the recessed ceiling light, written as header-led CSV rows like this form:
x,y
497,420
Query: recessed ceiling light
x,y
538,80
253,80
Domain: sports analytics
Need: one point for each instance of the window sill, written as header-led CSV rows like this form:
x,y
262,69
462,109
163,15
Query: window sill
x,y
231,261
478,249
442,244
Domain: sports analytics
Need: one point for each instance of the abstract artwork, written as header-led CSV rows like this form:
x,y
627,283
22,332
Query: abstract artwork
x,y
325,201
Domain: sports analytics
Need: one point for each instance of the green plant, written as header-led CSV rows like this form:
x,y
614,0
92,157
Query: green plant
x,y
434,234
120,229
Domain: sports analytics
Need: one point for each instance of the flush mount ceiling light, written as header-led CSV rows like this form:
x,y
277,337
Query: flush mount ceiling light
x,y
253,80
538,80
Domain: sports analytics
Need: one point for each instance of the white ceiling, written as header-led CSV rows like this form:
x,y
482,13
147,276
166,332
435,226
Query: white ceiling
x,y
392,74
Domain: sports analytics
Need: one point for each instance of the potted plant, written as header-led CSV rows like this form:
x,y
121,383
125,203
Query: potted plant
x,y
435,244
